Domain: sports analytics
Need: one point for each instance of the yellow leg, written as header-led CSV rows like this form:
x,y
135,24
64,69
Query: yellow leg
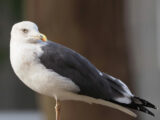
x,y
57,108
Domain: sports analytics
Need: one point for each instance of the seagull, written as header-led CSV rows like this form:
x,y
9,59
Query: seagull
x,y
54,70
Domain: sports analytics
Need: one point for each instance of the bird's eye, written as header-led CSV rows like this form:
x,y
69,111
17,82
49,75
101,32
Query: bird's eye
x,y
25,30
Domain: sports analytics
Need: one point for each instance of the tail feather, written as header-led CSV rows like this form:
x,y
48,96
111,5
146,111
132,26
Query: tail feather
x,y
145,110
140,108
140,105
122,95
145,103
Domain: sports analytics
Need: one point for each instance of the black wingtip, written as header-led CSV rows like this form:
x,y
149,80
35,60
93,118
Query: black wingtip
x,y
140,108
145,110
144,102
140,104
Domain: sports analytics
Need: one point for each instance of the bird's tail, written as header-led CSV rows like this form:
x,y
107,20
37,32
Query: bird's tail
x,y
140,105
123,96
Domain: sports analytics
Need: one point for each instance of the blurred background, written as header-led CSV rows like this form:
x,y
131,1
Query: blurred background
x,y
120,37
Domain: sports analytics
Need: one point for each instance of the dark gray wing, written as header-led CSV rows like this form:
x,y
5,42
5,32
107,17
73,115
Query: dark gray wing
x,y
118,87
70,64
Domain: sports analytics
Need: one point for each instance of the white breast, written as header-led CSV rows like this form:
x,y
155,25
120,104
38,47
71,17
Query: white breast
x,y
26,64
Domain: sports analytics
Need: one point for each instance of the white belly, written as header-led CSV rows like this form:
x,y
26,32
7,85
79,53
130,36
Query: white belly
x,y
31,72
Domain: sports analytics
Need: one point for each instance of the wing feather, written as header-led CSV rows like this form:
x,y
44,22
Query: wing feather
x,y
70,64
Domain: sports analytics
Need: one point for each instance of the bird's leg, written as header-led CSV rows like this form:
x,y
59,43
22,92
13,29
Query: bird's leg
x,y
58,108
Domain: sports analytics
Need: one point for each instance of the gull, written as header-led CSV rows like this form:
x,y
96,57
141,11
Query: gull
x,y
54,70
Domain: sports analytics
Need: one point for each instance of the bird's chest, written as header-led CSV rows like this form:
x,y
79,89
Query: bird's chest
x,y
23,59
25,62
34,74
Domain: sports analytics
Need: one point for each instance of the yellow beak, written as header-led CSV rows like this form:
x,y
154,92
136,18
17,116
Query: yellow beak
x,y
43,37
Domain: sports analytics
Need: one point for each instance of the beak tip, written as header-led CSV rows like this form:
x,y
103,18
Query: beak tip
x,y
43,37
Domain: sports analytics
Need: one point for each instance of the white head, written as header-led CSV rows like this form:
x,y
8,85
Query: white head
x,y
26,31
